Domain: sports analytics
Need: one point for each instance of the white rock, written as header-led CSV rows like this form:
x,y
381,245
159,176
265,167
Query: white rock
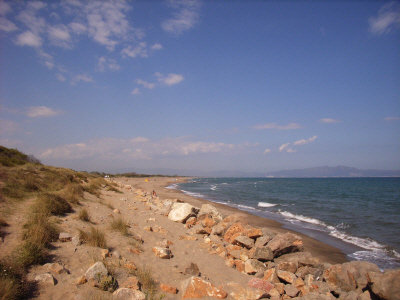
x,y
94,270
180,212
208,209
65,237
128,294
46,278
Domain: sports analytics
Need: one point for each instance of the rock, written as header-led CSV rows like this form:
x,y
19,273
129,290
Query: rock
x,y
207,221
299,258
239,265
245,293
218,229
316,296
287,266
55,268
308,279
364,296
252,266
131,282
46,278
353,295
233,231
302,272
262,241
80,280
128,294
76,241
168,289
208,209
280,287
274,294
130,266
65,237
243,241
253,232
291,290
180,212
192,269
104,253
286,276
285,243
260,284
116,254
385,285
196,287
96,270
116,211
162,252
199,229
270,275
191,222
263,254
165,243
349,276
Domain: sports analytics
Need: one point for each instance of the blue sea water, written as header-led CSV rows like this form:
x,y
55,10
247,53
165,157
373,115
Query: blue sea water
x,y
361,216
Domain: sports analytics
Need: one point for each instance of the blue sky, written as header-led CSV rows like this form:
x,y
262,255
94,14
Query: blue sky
x,y
201,85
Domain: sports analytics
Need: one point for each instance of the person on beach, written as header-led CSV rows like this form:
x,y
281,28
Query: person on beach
x,y
153,194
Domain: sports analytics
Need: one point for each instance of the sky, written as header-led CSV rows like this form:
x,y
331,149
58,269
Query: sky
x,y
201,86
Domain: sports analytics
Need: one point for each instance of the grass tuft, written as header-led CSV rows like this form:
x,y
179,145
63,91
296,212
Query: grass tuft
x,y
30,253
84,215
149,284
95,237
51,204
120,225
39,230
73,193
13,284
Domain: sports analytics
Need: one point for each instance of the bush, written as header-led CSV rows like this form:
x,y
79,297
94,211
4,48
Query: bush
x,y
84,215
51,204
30,253
39,230
13,284
73,192
95,237
120,225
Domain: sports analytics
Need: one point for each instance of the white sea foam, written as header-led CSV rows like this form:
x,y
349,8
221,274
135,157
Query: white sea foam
x,y
172,186
213,187
266,204
198,195
301,218
245,206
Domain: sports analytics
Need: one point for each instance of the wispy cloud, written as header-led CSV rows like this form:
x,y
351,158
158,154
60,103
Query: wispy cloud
x,y
185,16
5,24
289,126
156,46
170,79
329,120
135,148
59,35
305,141
283,147
28,38
41,112
135,91
105,63
266,151
146,84
392,119
60,77
388,19
81,77
138,51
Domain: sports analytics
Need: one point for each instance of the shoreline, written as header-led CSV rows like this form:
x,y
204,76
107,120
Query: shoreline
x,y
317,248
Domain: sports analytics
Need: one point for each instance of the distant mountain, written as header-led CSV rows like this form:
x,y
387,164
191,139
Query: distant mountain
x,y
339,171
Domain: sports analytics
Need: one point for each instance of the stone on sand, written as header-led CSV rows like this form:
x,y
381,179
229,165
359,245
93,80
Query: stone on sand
x,y
96,270
126,293
161,252
46,278
196,287
180,212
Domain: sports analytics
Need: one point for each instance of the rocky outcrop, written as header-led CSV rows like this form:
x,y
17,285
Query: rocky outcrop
x,y
385,285
285,243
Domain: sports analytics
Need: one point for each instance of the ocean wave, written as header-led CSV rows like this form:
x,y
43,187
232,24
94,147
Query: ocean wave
x,y
213,187
245,206
265,204
198,195
173,186
302,218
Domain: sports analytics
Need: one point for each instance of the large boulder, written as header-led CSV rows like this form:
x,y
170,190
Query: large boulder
x,y
285,243
243,241
349,276
180,212
299,258
386,285
96,271
253,266
196,287
127,293
263,254
208,209
244,293
286,276
233,231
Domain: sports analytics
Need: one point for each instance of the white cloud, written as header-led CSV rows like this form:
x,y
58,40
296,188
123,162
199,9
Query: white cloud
x,y
289,126
135,148
291,150
305,141
147,85
78,28
186,15
5,8
170,79
392,119
139,51
107,63
41,111
329,120
387,20
7,25
82,77
60,77
28,38
59,36
266,151
135,91
283,147
156,46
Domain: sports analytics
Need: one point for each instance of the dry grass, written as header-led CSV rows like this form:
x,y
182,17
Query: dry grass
x,y
30,253
149,285
84,215
13,284
73,193
95,237
51,204
97,295
120,225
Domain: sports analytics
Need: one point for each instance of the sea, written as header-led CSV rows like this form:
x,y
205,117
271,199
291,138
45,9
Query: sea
x,y
360,216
